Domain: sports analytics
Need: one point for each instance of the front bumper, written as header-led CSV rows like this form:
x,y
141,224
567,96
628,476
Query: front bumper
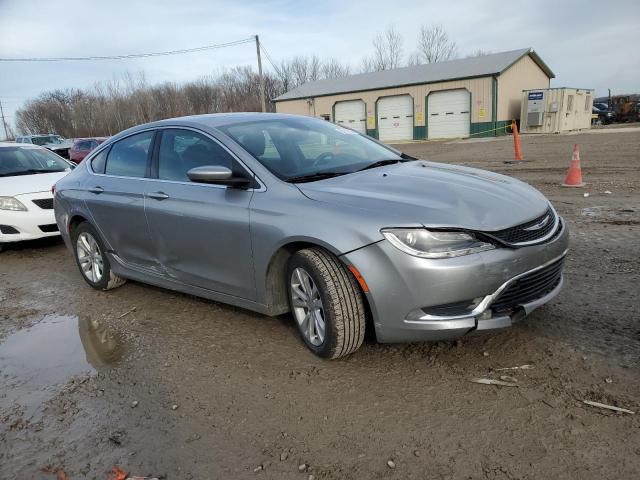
x,y
30,224
401,285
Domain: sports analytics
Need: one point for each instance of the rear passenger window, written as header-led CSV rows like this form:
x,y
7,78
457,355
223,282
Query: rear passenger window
x,y
128,157
99,161
182,150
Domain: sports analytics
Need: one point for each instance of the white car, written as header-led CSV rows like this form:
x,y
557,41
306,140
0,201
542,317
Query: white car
x,y
27,173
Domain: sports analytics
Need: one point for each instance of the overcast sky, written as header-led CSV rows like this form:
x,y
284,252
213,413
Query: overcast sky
x,y
587,44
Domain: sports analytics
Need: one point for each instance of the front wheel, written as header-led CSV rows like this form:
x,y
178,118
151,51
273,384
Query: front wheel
x,y
91,259
326,303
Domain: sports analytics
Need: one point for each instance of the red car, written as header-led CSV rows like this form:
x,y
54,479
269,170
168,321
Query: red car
x,y
82,146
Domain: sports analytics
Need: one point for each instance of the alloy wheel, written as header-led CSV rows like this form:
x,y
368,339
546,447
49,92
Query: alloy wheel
x,y
307,307
89,257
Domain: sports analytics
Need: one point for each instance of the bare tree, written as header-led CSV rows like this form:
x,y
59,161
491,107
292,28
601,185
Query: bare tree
x,y
435,45
387,51
111,106
332,68
478,53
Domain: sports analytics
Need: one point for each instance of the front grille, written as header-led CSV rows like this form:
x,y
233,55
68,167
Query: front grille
x,y
8,230
527,232
51,227
44,203
529,287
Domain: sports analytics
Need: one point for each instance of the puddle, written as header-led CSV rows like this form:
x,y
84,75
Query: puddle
x,y
35,361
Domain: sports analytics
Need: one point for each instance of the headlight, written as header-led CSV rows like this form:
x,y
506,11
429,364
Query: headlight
x,y
10,203
420,242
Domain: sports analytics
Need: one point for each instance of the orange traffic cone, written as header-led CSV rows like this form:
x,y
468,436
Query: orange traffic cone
x,y
574,174
516,141
516,144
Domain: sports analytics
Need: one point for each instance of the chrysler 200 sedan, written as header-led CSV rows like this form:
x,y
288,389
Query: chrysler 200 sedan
x,y
280,213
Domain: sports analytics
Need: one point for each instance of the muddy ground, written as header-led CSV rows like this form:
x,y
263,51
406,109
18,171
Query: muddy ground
x,y
183,388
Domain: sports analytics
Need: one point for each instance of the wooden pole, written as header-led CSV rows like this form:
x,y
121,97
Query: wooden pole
x,y
262,100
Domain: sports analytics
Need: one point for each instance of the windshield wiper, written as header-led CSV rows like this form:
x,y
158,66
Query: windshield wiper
x,y
381,163
312,177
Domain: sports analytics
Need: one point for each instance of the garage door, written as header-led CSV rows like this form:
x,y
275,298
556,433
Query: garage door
x,y
395,118
448,114
351,114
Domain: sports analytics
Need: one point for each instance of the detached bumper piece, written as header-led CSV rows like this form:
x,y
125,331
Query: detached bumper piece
x,y
515,299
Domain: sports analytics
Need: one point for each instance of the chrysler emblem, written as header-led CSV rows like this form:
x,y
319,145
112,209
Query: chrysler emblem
x,y
538,225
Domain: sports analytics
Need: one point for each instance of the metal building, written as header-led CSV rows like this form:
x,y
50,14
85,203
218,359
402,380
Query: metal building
x,y
555,110
471,96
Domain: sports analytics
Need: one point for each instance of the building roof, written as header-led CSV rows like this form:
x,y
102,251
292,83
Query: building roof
x,y
492,64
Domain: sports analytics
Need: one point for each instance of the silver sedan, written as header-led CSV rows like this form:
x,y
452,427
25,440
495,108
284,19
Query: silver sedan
x,y
281,213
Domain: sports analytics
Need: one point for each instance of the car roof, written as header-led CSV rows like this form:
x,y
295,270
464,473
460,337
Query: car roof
x,y
40,135
212,120
20,145
216,120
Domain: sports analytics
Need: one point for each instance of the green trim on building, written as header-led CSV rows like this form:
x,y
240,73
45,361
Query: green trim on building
x,y
419,132
501,124
489,129
494,99
482,129
373,133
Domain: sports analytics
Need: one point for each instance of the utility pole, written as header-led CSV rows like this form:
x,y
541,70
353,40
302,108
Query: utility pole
x,y
4,123
262,101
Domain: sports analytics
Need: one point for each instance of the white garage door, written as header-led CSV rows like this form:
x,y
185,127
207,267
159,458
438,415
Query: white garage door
x,y
395,118
448,114
351,114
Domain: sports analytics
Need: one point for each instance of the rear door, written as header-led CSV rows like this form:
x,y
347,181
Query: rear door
x,y
200,231
114,196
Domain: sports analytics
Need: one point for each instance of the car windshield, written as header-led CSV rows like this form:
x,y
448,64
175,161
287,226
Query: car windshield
x,y
47,139
26,161
306,149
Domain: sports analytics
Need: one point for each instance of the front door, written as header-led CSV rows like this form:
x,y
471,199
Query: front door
x,y
200,231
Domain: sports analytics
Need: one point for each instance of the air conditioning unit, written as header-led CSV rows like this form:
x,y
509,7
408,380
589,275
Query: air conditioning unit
x,y
534,119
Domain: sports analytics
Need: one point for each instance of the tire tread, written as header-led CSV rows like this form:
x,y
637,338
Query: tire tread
x,y
346,302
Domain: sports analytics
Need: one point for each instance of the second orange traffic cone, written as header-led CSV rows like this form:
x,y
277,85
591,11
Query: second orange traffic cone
x,y
516,144
574,174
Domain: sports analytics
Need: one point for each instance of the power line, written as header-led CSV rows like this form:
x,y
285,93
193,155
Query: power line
x,y
131,55
266,54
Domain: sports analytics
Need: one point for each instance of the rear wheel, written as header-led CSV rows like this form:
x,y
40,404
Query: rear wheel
x,y
91,260
326,303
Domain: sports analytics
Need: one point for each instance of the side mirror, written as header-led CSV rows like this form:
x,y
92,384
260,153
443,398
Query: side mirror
x,y
217,175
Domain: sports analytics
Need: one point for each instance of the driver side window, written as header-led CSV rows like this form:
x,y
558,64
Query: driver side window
x,y
182,150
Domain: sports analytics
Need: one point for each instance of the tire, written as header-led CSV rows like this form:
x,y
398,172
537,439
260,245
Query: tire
x,y
107,279
342,305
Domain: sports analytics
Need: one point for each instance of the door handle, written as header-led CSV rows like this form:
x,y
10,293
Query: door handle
x,y
96,190
158,195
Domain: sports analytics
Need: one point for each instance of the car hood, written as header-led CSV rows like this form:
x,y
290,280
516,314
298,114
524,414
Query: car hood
x,y
433,194
21,184
57,146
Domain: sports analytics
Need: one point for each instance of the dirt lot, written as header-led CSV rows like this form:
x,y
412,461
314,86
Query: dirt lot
x,y
183,388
